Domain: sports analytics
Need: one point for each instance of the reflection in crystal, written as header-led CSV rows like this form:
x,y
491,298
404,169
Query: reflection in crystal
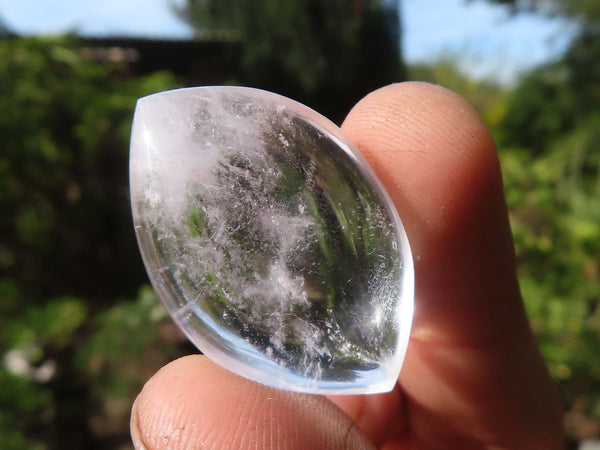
x,y
286,262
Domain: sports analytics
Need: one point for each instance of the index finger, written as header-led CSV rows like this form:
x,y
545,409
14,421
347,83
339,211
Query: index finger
x,y
472,370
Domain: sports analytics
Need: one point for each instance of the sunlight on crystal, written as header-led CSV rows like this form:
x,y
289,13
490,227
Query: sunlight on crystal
x,y
377,316
285,260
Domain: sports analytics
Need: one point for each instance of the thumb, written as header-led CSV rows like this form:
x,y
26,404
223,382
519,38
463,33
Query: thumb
x,y
192,403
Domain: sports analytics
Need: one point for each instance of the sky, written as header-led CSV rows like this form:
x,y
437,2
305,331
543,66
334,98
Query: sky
x,y
484,38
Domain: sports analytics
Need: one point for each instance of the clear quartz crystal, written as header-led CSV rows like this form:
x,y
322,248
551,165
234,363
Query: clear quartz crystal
x,y
270,240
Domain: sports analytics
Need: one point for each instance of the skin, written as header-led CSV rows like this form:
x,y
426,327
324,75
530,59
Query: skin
x,y
473,377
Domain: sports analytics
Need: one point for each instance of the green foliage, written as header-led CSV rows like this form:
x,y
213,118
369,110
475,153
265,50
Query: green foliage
x,y
31,341
123,347
554,100
584,11
552,178
120,342
548,131
53,322
66,244
556,224
542,107
64,121
583,62
75,338
20,400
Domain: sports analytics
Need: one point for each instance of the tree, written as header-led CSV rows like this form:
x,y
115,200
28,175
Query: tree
x,y
582,59
553,99
326,54
584,11
67,247
5,30
549,147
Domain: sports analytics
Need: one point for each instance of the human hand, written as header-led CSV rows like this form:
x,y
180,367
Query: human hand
x,y
472,376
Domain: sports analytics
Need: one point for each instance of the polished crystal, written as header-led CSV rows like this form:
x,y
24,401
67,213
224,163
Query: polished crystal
x,y
270,240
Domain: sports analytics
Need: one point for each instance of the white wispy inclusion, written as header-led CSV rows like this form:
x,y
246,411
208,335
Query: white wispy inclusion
x,y
270,241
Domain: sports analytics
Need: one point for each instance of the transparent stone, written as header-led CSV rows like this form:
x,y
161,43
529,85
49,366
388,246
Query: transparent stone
x,y
270,240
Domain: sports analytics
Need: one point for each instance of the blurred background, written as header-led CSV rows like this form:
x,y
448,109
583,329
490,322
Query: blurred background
x,y
80,328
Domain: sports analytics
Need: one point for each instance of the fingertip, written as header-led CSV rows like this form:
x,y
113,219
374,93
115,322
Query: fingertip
x,y
381,417
430,148
192,403
471,346
439,164
162,414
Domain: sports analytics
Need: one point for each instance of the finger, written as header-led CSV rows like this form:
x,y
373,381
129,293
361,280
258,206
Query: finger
x,y
192,403
439,164
472,367
381,417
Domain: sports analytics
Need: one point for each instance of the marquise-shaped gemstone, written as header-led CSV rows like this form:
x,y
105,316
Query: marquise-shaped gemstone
x,y
270,240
